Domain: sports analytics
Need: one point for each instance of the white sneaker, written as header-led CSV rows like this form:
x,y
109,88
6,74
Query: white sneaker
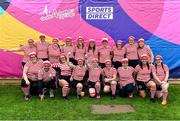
x,y
51,93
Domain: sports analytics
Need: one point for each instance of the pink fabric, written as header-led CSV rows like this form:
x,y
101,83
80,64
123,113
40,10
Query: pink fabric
x,y
144,74
29,14
91,55
43,75
54,54
145,50
109,73
65,69
79,72
94,74
33,69
160,72
11,68
67,49
79,53
131,51
125,75
118,54
42,49
104,53
27,50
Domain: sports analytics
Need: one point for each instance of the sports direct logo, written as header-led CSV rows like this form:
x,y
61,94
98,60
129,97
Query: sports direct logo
x,y
99,13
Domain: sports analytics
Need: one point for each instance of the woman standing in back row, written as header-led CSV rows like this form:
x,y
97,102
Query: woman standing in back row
x,y
145,49
104,52
118,54
42,48
80,50
131,52
26,49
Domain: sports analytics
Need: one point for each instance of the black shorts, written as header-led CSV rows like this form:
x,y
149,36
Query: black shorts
x,y
133,63
117,64
67,78
91,84
158,87
75,82
107,83
141,85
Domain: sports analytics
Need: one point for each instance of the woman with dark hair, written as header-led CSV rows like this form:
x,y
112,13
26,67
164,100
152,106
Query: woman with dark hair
x,y
26,49
118,54
131,52
80,49
30,83
161,80
144,49
144,79
91,51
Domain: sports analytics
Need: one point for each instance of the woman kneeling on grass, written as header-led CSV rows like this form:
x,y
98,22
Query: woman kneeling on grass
x,y
47,76
30,83
110,76
78,76
94,79
162,73
65,75
144,79
126,79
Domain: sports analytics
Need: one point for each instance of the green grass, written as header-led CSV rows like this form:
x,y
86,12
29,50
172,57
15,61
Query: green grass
x,y
12,106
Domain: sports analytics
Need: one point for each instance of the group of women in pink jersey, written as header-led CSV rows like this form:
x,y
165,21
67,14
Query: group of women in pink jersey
x,y
118,70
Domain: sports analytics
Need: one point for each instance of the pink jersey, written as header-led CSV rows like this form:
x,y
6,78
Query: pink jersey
x,y
118,54
33,69
42,49
43,75
79,53
145,50
79,72
66,70
144,74
54,54
160,72
109,73
68,49
131,51
104,53
94,74
125,75
91,55
27,50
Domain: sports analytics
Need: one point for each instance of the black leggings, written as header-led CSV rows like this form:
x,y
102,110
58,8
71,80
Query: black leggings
x,y
124,91
35,86
50,85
